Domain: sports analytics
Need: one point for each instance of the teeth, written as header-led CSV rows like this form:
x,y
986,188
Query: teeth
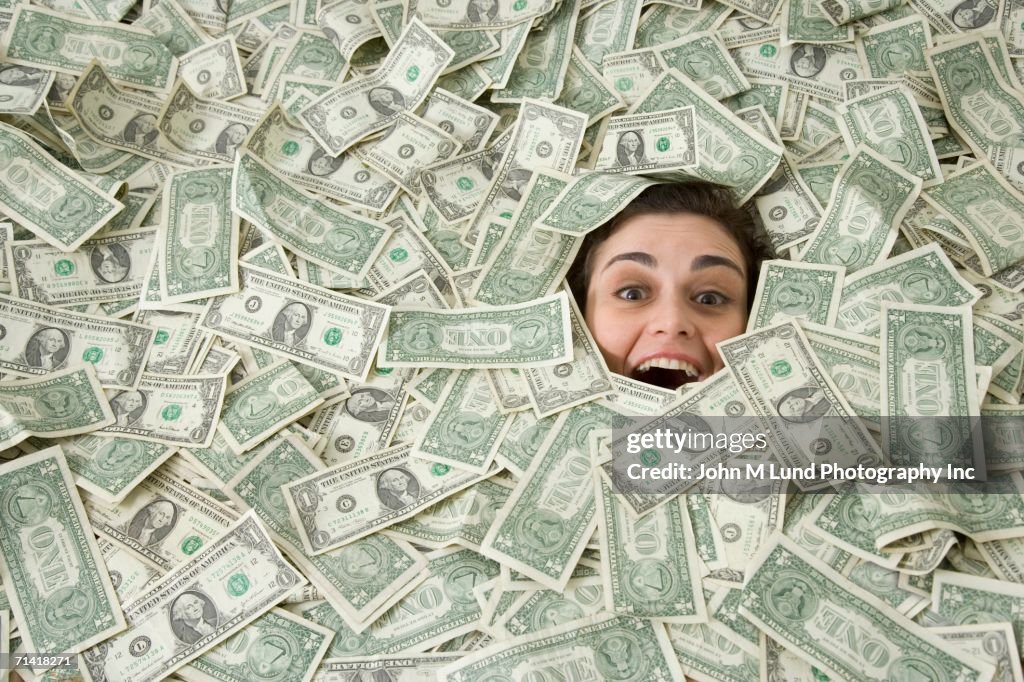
x,y
668,363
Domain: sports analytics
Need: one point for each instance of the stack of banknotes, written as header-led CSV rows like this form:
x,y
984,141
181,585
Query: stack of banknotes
x,y
293,389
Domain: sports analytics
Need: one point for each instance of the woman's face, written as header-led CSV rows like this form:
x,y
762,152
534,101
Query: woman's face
x,y
664,289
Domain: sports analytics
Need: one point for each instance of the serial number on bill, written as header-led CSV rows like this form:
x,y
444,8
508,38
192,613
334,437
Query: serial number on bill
x,y
41,660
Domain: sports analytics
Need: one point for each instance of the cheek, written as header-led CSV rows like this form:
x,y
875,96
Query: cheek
x,y
614,333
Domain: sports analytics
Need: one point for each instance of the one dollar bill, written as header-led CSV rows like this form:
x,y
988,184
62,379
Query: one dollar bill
x,y
198,604
58,587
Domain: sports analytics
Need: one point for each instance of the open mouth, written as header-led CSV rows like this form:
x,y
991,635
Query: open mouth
x,y
666,373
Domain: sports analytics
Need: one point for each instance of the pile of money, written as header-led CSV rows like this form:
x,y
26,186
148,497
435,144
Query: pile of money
x,y
292,387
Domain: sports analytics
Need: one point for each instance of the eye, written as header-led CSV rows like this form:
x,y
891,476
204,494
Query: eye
x,y
630,293
711,298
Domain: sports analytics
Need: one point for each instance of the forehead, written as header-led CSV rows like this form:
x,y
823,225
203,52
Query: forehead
x,y
670,237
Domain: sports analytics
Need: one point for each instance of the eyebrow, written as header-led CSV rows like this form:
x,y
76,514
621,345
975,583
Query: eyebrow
x,y
710,261
698,263
645,259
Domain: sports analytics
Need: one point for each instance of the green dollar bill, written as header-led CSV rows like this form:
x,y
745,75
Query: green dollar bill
x,y
842,12
461,519
238,576
892,49
122,119
177,341
665,23
310,55
925,276
587,90
585,378
730,152
529,261
173,27
213,70
128,574
702,58
539,70
199,253
706,651
58,588
961,599
275,644
398,668
533,611
790,588
24,94
351,22
410,144
788,206
101,269
204,129
163,521
533,334
632,72
176,410
647,564
497,70
890,122
363,422
466,427
636,397
466,16
470,123
260,405
653,142
929,356
816,70
783,381
310,325
806,291
537,533
320,231
993,643
973,91
455,187
132,56
853,362
40,339
292,152
439,609
110,468
523,441
415,290
606,28
545,136
590,200
47,198
353,110
805,22
406,252
378,490
327,385
988,211
58,405
469,82
362,579
641,651
868,201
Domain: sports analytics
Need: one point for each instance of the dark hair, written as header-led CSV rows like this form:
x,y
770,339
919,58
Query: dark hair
x,y
695,197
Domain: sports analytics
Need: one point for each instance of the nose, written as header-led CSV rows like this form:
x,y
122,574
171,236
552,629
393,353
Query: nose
x,y
670,316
